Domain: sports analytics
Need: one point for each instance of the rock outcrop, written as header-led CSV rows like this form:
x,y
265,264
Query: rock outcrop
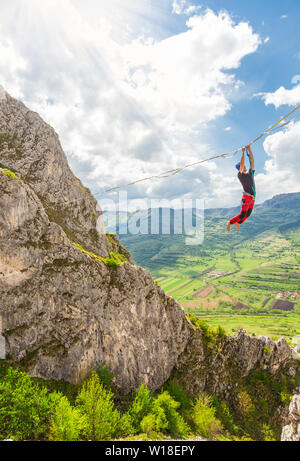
x,y
31,147
291,432
217,369
64,310
65,307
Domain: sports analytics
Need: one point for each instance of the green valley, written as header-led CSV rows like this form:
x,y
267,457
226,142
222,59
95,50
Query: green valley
x,y
247,280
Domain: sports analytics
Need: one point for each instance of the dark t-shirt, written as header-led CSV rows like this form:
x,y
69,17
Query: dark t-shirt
x,y
247,182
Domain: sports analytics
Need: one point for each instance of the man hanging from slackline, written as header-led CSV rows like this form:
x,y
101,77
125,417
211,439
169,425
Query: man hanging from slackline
x,y
247,181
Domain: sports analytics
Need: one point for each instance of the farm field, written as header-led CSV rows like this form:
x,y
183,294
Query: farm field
x,y
244,297
274,326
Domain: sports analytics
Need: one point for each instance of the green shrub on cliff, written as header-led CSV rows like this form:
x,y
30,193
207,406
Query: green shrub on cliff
x,y
95,402
178,393
167,419
25,407
210,336
114,260
141,406
148,424
204,419
157,414
68,423
8,173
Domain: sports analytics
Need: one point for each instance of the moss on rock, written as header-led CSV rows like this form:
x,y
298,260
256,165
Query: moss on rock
x,y
8,173
114,260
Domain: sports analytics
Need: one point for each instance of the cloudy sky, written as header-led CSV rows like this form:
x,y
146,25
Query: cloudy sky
x,y
136,87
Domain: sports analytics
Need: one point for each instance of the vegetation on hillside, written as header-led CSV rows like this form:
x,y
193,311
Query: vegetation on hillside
x,y
114,260
234,279
8,173
33,409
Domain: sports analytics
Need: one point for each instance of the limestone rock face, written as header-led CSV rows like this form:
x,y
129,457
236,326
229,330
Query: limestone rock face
x,y
218,370
291,432
32,148
61,311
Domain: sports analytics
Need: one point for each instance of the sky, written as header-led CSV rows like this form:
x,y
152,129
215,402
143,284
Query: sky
x,y
137,87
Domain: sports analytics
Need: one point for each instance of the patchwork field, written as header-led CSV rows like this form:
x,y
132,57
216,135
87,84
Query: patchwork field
x,y
260,273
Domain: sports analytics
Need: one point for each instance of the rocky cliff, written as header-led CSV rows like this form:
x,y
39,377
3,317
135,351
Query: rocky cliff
x,y
70,295
66,308
217,365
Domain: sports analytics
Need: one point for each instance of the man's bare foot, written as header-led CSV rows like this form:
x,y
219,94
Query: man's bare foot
x,y
237,226
228,226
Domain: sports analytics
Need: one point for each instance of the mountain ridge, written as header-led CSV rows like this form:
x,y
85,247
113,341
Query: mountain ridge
x,y
279,214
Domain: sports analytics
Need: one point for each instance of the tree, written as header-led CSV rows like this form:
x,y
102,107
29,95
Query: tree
x,y
25,407
67,423
96,404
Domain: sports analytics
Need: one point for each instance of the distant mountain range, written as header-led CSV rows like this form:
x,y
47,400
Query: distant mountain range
x,y
279,214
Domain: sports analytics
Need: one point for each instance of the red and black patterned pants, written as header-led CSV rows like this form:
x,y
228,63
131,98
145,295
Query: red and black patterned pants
x,y
247,208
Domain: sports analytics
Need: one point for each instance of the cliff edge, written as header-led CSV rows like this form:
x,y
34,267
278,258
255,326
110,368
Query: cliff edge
x,y
70,295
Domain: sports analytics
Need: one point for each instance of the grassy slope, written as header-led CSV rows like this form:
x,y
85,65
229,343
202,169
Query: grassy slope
x,y
264,259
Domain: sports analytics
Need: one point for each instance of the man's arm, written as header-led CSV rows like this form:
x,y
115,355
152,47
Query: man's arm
x,y
242,165
251,157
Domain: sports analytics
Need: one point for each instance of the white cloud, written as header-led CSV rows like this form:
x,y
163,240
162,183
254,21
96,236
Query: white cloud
x,y
178,6
282,148
295,79
11,65
192,9
282,167
228,128
124,109
282,96
182,78
183,7
284,16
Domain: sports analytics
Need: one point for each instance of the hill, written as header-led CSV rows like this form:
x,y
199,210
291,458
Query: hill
x,y
233,278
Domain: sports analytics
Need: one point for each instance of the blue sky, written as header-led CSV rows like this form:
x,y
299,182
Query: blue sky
x,y
272,66
135,88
